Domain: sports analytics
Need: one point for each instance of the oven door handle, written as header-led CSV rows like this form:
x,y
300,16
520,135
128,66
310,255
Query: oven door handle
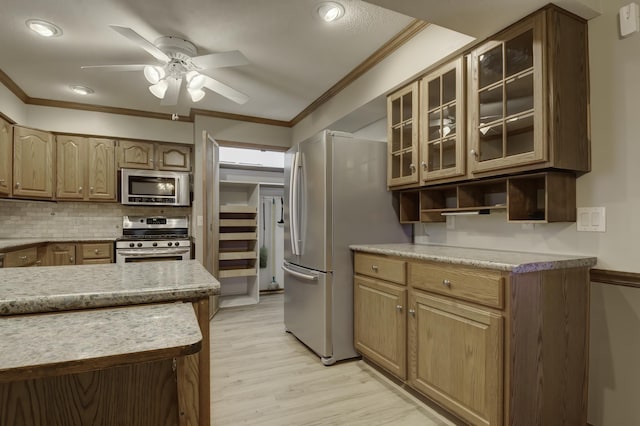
x,y
143,252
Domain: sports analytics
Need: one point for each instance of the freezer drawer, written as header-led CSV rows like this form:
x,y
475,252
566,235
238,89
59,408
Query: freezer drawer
x,y
307,308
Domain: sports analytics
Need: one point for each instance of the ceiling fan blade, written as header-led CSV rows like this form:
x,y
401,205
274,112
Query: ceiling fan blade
x,y
171,97
224,90
218,60
141,42
133,67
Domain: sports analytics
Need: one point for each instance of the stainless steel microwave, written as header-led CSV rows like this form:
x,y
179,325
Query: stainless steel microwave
x,y
154,188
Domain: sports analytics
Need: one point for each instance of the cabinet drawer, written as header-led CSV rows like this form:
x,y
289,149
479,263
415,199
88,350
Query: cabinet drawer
x,y
25,257
384,268
97,251
475,285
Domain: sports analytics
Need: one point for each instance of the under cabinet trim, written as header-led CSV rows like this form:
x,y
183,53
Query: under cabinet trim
x,y
620,278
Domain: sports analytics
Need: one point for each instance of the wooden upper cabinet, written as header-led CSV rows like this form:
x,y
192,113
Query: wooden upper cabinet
x,y
6,143
136,155
32,163
149,155
442,120
85,168
71,167
402,136
174,157
101,172
529,96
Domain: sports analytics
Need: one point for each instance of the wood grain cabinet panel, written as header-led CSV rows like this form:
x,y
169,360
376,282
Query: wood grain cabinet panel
x,y
6,157
95,253
174,157
380,323
32,163
18,258
136,155
455,357
70,161
402,136
62,254
149,155
381,267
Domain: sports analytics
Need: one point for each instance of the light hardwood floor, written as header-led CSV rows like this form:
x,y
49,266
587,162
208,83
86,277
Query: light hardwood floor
x,y
261,375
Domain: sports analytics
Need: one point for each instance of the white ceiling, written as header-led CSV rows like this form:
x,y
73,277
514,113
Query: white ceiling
x,y
294,56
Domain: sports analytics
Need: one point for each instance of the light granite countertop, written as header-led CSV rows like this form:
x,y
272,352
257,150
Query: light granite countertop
x,y
53,340
62,288
512,261
7,244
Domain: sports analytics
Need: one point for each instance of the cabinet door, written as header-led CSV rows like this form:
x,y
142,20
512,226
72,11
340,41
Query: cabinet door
x,y
136,155
402,136
32,163
70,161
101,173
6,143
62,254
380,323
174,157
442,117
455,357
507,99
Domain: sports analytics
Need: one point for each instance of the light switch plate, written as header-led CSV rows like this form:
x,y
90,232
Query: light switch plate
x,y
592,219
629,19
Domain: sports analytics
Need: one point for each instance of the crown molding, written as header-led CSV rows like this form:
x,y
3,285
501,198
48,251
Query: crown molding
x,y
389,47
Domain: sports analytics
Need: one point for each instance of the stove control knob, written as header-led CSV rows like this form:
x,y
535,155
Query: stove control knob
x,y
177,243
155,244
139,244
169,243
131,244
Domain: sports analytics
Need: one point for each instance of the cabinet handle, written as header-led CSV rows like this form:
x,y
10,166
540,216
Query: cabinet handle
x,y
71,260
374,268
412,312
17,185
424,166
91,189
80,189
96,251
446,283
473,153
412,167
38,262
2,181
23,258
399,308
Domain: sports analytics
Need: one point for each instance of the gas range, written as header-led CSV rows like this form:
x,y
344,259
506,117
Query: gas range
x,y
153,238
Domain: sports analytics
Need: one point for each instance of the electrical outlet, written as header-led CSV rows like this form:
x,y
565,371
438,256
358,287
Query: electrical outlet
x,y
451,222
592,219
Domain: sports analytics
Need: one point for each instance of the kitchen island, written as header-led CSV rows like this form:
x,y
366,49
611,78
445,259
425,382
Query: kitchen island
x,y
105,344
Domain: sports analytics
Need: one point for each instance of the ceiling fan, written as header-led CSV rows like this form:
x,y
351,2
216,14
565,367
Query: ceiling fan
x,y
178,61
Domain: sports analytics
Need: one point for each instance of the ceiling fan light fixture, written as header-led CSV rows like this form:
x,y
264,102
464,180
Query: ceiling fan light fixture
x,y
196,94
153,74
43,28
330,11
159,89
195,81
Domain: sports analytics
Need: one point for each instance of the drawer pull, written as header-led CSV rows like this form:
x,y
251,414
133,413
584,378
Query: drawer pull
x,y
412,312
399,308
23,258
96,251
446,283
374,268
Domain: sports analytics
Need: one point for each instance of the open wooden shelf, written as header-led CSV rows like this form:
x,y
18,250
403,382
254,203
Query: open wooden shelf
x,y
227,223
532,198
235,255
238,208
229,273
238,236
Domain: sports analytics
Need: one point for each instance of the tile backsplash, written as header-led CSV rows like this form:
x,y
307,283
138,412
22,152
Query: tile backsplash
x,y
36,219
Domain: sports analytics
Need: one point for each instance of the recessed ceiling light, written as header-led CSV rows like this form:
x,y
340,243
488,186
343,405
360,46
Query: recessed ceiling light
x,y
330,11
82,90
43,28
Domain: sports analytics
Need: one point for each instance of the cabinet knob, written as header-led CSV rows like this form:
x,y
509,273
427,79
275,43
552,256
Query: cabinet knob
x,y
71,260
399,308
17,185
424,165
446,283
473,153
23,258
412,312
96,251
91,189
38,262
2,181
80,189
412,167
374,268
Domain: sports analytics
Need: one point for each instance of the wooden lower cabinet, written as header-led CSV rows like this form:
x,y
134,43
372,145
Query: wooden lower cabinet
x,y
94,253
491,347
455,356
380,323
62,254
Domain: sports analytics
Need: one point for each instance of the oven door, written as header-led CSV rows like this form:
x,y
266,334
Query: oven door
x,y
152,254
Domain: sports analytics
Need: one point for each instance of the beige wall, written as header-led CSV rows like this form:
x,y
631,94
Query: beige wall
x,y
11,106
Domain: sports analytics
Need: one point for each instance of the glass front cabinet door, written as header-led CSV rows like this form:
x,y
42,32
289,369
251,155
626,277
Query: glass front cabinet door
x,y
507,104
402,137
442,119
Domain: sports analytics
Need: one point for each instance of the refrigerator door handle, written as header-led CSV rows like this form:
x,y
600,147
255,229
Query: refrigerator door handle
x,y
299,274
293,205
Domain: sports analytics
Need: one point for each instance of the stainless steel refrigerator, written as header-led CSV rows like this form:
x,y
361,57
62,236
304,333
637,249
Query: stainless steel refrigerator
x,y
335,195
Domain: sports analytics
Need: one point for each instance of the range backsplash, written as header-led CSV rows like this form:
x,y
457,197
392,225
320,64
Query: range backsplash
x,y
36,219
